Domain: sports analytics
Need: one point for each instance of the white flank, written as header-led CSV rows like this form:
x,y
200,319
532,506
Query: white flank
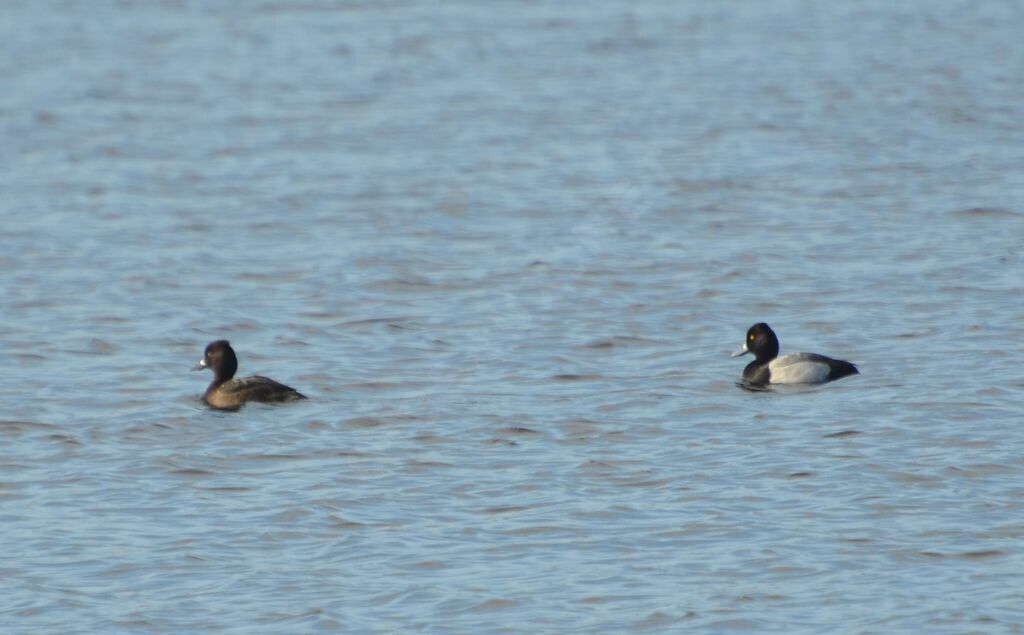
x,y
796,368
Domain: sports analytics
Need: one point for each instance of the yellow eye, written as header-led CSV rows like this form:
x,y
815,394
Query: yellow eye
x,y
751,337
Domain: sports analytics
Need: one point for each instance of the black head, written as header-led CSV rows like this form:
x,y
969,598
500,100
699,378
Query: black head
x,y
762,342
220,358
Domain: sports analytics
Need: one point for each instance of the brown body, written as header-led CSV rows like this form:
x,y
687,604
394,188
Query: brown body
x,y
234,393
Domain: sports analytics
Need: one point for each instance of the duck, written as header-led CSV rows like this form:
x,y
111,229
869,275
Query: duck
x,y
227,393
769,368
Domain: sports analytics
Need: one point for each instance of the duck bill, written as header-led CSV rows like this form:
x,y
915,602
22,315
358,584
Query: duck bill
x,y
743,351
200,366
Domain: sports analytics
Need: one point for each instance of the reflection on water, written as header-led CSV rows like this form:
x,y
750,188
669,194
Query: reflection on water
x,y
507,255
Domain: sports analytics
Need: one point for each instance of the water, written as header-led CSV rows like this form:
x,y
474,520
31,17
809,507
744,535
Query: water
x,y
506,249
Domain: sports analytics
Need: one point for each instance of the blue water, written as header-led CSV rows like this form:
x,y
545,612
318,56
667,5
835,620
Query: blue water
x,y
506,249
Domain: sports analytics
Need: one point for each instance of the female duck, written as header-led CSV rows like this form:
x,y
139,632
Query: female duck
x,y
795,368
226,393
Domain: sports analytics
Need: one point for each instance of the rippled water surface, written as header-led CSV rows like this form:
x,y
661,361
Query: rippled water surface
x,y
506,248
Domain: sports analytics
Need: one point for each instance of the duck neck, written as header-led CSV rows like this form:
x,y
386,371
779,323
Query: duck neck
x,y
769,351
223,372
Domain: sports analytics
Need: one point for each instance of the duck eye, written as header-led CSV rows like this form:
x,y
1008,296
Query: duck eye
x,y
751,338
